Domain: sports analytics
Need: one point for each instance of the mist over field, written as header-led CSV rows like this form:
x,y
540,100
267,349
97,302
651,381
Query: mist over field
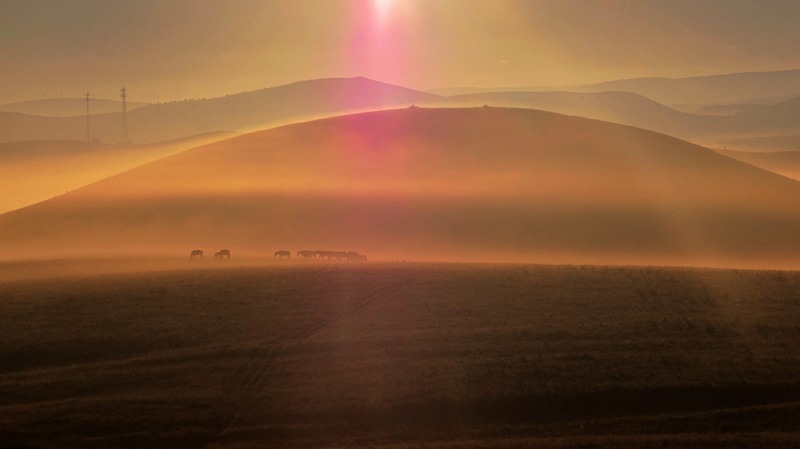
x,y
38,170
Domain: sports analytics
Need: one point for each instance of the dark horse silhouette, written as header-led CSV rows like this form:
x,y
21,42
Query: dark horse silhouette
x,y
355,257
332,255
305,254
324,255
222,254
341,256
197,253
283,255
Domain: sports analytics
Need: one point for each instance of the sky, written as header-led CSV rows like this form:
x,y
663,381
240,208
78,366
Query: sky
x,y
166,50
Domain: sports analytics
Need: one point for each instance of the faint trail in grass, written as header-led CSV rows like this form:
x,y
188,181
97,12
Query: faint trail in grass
x,y
258,371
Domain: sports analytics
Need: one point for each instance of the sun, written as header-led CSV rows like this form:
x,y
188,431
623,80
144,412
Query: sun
x,y
383,7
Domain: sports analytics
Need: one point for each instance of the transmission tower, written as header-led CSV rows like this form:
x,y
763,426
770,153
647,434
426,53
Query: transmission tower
x,y
123,94
88,136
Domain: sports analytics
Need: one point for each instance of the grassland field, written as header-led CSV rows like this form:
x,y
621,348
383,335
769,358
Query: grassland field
x,y
99,354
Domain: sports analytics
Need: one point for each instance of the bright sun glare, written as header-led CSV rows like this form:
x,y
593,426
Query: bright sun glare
x,y
383,7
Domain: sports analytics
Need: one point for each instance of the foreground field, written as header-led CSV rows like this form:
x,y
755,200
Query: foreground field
x,y
317,355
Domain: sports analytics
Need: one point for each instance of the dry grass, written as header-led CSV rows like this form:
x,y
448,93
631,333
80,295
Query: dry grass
x,y
479,184
313,355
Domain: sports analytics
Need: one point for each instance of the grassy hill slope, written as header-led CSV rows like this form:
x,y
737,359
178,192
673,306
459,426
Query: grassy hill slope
x,y
619,107
40,169
464,184
786,163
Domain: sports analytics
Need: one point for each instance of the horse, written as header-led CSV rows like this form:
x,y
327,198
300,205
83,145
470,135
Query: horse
x,y
332,255
355,257
283,255
307,254
222,254
197,253
324,254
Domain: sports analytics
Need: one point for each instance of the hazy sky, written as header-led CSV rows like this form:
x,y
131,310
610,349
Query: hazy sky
x,y
174,49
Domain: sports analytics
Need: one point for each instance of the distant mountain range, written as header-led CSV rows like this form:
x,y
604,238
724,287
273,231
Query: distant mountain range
x,y
433,184
266,107
67,107
329,97
713,89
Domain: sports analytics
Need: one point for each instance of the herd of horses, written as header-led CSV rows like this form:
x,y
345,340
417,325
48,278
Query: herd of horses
x,y
346,256
221,254
349,256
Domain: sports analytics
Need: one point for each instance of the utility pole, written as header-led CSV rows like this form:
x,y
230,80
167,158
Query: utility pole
x,y
88,136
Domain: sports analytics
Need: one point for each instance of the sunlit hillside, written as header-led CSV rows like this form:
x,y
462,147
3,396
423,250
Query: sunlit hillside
x,y
434,184
758,144
786,163
41,169
614,106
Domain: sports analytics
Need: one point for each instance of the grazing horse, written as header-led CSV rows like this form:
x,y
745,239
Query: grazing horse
x,y
307,254
222,254
324,255
283,255
355,257
197,253
332,255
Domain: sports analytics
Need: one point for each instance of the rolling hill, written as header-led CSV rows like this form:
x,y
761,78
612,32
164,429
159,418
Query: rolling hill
x,y
770,128
726,88
37,170
730,108
778,117
619,107
785,163
266,107
758,144
725,110
735,122
488,184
